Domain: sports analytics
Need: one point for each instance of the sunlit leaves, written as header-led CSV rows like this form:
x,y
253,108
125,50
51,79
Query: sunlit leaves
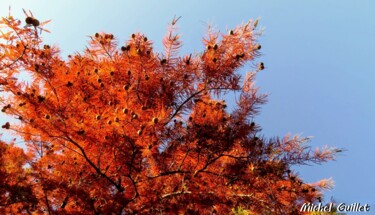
x,y
130,130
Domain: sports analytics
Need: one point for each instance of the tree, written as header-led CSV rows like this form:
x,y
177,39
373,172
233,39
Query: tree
x,y
133,131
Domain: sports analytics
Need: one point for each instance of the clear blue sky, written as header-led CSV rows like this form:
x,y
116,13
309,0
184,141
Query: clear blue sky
x,y
319,57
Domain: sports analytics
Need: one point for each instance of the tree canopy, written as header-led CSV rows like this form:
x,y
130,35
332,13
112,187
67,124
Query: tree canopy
x,y
124,129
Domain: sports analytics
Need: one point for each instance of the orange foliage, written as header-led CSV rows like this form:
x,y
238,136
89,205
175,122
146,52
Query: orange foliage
x,y
132,131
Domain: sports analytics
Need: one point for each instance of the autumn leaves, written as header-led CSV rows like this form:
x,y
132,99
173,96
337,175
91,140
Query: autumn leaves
x,y
137,131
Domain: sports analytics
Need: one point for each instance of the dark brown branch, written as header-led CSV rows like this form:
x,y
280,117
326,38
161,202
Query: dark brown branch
x,y
47,202
65,201
183,160
175,194
207,164
168,173
135,188
118,186
190,97
183,103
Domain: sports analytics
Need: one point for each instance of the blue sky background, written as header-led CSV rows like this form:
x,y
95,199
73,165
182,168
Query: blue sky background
x,y
319,57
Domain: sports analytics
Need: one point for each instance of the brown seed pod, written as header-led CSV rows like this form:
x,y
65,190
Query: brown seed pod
x,y
238,56
41,99
155,120
258,46
256,23
133,36
163,61
215,47
126,87
96,35
125,111
231,32
98,117
135,116
6,125
35,22
147,77
139,132
47,116
129,72
29,20
112,73
261,66
81,132
20,118
145,39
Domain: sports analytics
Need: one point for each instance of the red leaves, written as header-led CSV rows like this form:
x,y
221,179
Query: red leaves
x,y
135,131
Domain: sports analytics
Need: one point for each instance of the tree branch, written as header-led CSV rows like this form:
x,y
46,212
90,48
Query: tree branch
x,y
175,194
168,173
118,186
